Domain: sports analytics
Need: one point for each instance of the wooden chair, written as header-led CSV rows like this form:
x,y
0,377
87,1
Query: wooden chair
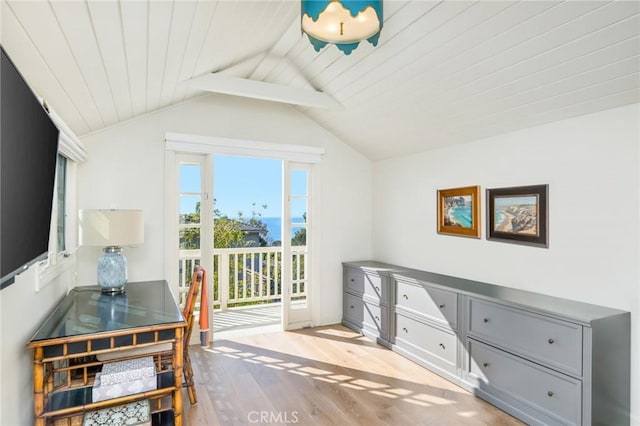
x,y
197,281
188,313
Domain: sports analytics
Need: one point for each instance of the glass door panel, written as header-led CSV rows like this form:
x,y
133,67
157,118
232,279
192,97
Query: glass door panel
x,y
297,220
189,221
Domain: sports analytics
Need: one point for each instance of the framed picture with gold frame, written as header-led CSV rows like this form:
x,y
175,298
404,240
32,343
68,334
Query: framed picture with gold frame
x,y
459,211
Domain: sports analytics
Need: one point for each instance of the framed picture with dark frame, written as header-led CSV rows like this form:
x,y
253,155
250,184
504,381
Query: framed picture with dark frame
x,y
459,211
519,215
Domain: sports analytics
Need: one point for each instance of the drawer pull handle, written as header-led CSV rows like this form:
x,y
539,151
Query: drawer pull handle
x,y
441,306
550,394
351,306
441,345
405,296
486,320
485,364
377,318
405,329
352,279
551,341
378,289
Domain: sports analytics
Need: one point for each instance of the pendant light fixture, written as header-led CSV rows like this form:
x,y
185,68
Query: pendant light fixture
x,y
341,22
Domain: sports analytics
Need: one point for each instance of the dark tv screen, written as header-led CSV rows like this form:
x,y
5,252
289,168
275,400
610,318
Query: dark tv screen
x,y
28,154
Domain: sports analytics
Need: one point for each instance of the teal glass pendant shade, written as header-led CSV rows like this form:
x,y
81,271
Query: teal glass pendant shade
x,y
341,22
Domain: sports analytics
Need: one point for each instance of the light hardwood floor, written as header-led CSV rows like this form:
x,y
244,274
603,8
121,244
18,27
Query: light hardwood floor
x,y
324,376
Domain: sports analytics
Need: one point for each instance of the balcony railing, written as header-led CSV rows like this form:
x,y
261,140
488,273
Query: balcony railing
x,y
246,276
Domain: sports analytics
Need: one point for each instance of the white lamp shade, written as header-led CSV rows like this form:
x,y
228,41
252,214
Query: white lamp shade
x,y
111,227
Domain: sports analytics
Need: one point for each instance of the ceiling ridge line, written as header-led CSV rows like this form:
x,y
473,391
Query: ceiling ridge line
x,y
245,19
291,29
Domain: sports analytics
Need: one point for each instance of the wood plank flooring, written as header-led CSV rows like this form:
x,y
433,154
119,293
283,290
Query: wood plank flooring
x,y
324,376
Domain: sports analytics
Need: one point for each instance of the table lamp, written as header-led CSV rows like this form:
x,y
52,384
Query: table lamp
x,y
111,229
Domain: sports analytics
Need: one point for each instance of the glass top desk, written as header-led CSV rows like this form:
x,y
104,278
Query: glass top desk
x,y
87,323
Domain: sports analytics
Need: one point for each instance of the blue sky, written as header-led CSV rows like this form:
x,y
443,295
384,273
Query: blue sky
x,y
241,181
506,201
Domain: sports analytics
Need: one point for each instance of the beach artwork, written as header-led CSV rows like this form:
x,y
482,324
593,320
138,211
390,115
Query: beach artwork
x,y
516,215
519,215
458,211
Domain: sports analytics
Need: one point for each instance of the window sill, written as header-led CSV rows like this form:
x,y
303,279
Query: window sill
x,y
46,272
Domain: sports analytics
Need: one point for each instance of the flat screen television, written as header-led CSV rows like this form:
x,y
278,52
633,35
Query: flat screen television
x,y
28,154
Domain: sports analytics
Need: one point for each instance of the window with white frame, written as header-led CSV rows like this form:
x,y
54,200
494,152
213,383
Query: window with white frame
x,y
55,263
60,211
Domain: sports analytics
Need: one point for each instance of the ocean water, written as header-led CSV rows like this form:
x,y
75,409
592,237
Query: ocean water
x,y
274,227
462,215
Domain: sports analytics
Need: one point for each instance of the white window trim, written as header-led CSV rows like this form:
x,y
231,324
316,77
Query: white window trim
x,y
57,262
183,142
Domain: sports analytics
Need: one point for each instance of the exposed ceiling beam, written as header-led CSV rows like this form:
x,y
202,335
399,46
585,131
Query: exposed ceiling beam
x,y
261,90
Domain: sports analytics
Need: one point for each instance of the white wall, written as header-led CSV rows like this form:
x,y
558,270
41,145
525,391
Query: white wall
x,y
126,169
22,310
592,168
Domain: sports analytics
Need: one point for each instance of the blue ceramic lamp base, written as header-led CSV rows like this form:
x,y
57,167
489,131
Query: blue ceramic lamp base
x,y
112,271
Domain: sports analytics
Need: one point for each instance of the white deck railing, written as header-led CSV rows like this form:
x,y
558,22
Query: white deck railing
x,y
246,276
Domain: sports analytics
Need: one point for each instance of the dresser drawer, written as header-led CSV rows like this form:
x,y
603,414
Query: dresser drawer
x,y
359,282
433,344
552,342
375,319
553,394
438,305
353,309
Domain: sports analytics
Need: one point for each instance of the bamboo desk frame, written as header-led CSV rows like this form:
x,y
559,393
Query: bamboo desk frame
x,y
85,324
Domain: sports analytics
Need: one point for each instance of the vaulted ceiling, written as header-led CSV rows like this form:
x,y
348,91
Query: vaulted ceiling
x,y
443,72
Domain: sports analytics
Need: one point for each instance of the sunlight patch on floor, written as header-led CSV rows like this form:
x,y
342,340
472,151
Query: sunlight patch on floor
x,y
313,370
420,403
399,391
324,379
433,399
352,386
385,394
368,384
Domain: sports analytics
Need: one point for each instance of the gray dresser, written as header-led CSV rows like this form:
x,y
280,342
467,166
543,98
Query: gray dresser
x,y
543,359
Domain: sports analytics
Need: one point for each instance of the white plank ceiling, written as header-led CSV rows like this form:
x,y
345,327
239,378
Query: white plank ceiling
x,y
444,72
